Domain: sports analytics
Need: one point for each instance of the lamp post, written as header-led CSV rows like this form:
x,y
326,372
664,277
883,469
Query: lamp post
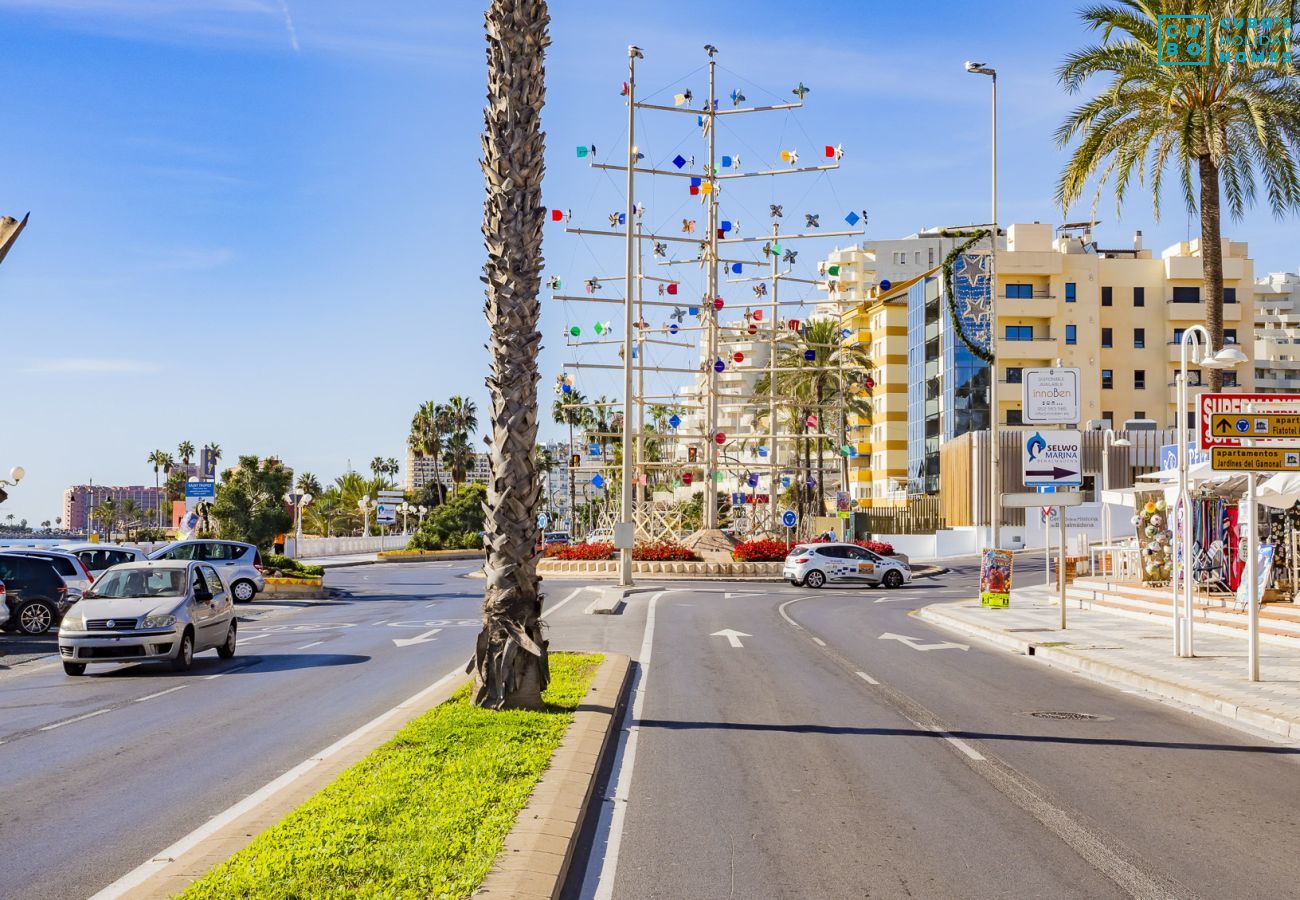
x,y
1108,440
422,510
995,490
1227,358
364,505
405,509
16,474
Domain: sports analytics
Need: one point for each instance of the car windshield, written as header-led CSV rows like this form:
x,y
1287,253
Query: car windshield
x,y
141,583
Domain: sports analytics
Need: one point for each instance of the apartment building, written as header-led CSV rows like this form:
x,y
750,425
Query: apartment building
x,y
1277,333
80,499
420,471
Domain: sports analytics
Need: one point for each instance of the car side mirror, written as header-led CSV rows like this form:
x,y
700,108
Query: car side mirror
x,y
203,596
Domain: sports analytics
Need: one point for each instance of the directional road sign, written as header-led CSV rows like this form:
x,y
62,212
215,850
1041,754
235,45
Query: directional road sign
x,y
1052,458
1255,459
789,519
1234,407
1051,396
542,520
1256,425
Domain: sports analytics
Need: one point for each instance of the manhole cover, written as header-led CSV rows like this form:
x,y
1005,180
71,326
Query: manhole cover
x,y
1059,714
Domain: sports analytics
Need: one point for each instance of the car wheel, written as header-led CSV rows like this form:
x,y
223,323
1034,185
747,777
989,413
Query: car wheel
x,y
227,650
185,655
74,668
35,617
814,579
243,591
893,579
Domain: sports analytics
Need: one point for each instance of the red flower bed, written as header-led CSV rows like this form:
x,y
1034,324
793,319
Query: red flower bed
x,y
663,552
763,550
580,552
880,547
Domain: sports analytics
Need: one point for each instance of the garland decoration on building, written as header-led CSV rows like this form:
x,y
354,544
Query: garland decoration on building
x,y
972,238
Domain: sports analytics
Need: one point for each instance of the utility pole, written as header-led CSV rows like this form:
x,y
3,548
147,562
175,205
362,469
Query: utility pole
x,y
626,533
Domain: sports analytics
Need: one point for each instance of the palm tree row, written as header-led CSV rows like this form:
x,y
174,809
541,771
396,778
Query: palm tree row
x,y
164,463
441,432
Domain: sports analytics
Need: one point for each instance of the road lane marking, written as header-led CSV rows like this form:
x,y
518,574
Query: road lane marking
x,y
867,678
312,644
819,642
253,637
623,787
137,876
919,643
955,741
425,638
170,690
733,637
90,715
556,607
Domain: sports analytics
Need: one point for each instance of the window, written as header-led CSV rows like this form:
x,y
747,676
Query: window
x,y
1191,419
1020,332
1139,296
1109,416
1014,374
1139,379
1106,338
1229,336
1070,295
916,257
1139,338
1107,379
1187,295
1139,413
1229,379
1105,296
1194,377
1178,335
1229,295
1020,292
931,256
1015,417
1071,334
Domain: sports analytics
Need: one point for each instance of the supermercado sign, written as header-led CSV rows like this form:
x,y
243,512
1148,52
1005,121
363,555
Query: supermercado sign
x,y
1210,404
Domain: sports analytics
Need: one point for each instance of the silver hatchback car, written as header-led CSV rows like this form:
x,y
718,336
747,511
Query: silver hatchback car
x,y
813,565
155,611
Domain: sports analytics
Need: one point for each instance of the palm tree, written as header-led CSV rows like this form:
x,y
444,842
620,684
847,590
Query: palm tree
x,y
309,484
571,409
45,525
462,415
427,434
319,517
58,521
130,513
460,456
392,467
1228,120
106,514
185,450
510,662
161,459
545,461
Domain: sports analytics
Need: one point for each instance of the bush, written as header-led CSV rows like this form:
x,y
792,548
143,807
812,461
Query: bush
x,y
288,567
456,524
582,552
880,547
762,550
664,551
149,535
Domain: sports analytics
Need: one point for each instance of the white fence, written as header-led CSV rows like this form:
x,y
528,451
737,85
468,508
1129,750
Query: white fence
x,y
313,548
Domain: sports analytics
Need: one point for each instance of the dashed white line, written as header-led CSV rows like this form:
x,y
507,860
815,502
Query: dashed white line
x,y
253,637
867,678
956,742
818,641
179,687
90,715
312,644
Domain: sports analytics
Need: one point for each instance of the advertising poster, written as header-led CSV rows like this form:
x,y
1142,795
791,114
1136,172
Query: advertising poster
x,y
1265,573
995,578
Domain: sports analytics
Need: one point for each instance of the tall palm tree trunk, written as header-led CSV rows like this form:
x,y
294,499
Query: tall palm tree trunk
x,y
510,662
1212,260
821,453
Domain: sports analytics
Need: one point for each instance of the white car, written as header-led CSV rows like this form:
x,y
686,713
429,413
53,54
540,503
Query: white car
x,y
813,565
98,557
71,569
238,564
599,536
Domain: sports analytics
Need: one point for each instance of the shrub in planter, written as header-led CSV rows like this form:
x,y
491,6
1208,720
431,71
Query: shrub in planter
x,y
664,551
881,547
554,549
762,550
585,552
287,567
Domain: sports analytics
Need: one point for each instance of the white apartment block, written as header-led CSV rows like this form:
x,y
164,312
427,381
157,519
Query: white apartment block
x,y
1277,333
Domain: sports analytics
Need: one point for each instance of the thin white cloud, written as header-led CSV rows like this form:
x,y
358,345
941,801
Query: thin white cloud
x,y
80,365
288,25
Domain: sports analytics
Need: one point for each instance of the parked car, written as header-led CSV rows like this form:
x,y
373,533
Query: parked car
x,y
599,536
70,568
239,564
98,557
813,565
152,611
4,606
35,594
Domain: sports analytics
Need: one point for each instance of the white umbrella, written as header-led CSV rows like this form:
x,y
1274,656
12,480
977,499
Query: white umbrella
x,y
1281,491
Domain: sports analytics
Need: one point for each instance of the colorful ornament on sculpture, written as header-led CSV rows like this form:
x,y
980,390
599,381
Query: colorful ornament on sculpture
x,y
687,478
736,268
737,97
679,160
845,450
688,226
853,218
719,365
752,328
760,289
601,328
836,152
775,210
587,151
811,220
660,249
720,438
672,328
790,156
738,357
617,218
718,303
553,283
674,420
812,421
678,314
683,98
559,215
575,330
790,256
800,91
597,481
871,383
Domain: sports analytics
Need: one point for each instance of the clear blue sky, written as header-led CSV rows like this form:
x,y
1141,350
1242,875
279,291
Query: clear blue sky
x,y
257,222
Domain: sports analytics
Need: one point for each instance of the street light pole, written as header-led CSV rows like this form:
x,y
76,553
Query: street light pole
x,y
1108,440
995,490
629,326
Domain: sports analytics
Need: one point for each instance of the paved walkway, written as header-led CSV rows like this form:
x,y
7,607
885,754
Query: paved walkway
x,y
1132,654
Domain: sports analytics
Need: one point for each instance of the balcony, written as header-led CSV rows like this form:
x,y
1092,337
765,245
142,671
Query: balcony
x,y
1288,385
1195,312
1173,353
1011,391
1044,306
1039,348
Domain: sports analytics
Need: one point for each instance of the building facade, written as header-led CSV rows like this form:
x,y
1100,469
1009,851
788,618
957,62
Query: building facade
x,y
80,499
1277,333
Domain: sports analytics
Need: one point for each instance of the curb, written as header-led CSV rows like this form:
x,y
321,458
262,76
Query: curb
x,y
1197,701
169,872
535,860
609,601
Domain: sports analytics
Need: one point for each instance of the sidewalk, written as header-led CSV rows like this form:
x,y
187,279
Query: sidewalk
x,y
337,562
1137,655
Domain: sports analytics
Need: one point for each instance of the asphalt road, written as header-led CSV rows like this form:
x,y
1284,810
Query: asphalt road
x,y
846,749
102,772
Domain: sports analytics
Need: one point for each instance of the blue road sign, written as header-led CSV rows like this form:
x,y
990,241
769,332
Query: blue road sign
x,y
789,519
542,520
200,489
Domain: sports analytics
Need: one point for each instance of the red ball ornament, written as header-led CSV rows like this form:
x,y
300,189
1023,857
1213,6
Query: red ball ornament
x,y
720,438
758,315
717,303
686,478
738,357
752,329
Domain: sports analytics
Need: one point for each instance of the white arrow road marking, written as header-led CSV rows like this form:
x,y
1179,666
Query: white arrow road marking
x,y
917,644
890,599
418,639
733,637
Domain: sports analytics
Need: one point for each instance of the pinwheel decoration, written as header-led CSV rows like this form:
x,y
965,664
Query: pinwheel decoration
x,y
812,220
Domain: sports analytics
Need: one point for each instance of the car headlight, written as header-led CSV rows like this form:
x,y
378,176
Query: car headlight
x,y
73,621
159,621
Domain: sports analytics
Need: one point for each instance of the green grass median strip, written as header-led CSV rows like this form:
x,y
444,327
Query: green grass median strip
x,y
422,816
